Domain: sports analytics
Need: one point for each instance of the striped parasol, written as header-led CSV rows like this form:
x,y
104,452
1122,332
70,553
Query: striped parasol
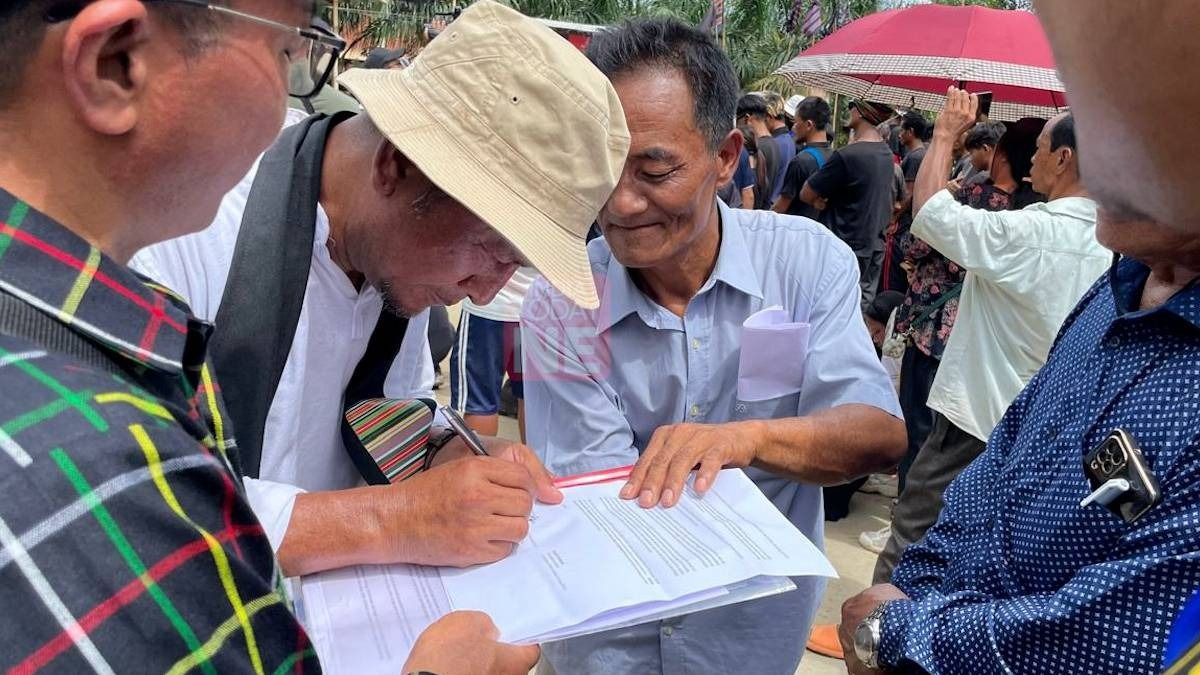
x,y
908,57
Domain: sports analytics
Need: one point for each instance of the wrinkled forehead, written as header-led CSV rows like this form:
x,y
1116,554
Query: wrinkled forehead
x,y
659,111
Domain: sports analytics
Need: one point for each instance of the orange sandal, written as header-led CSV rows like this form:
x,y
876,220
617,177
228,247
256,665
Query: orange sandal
x,y
824,641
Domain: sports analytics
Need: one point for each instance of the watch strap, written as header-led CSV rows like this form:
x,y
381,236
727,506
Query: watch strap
x,y
875,617
438,440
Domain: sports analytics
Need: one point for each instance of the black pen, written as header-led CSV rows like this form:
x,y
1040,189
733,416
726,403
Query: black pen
x,y
460,427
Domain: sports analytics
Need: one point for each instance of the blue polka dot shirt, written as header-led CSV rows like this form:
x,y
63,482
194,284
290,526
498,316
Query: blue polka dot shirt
x,y
1016,577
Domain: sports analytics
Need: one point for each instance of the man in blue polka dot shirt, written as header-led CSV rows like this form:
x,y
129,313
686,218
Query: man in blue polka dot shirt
x,y
1017,577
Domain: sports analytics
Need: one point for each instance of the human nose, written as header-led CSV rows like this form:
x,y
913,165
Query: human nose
x,y
626,200
482,288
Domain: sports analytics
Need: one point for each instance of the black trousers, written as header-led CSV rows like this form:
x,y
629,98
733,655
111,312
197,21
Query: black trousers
x,y
917,370
837,498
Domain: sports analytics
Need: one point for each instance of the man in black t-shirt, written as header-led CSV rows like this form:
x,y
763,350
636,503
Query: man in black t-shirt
x,y
812,119
854,188
913,131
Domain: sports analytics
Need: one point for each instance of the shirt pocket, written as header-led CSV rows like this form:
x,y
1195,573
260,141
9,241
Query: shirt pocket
x,y
772,358
787,405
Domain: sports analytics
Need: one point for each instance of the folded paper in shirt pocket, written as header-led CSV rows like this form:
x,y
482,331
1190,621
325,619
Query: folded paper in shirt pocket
x,y
772,358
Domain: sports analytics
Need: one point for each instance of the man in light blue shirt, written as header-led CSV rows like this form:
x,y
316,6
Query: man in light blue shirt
x,y
657,375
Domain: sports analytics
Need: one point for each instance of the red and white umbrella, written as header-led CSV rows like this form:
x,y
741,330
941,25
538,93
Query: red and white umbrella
x,y
908,57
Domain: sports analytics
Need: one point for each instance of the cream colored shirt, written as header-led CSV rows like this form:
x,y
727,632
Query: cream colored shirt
x,y
1026,270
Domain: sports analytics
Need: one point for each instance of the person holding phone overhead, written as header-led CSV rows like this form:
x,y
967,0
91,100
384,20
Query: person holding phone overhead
x,y
926,319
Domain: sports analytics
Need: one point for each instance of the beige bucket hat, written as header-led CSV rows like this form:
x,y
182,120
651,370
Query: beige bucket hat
x,y
514,123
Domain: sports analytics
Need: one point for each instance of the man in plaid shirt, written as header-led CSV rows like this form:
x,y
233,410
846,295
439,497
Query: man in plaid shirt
x,y
126,543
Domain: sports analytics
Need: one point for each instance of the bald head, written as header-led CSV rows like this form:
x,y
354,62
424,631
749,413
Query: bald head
x,y
1136,161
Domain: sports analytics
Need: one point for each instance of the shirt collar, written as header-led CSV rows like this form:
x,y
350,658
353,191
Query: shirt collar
x,y
734,268
1127,277
1083,208
51,268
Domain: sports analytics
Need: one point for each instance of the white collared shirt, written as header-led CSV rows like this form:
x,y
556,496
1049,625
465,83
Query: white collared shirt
x,y
506,306
302,445
1026,270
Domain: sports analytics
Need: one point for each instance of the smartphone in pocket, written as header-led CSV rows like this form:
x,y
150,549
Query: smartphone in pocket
x,y
1120,457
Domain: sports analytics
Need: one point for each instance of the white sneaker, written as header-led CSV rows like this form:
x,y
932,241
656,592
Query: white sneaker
x,y
875,541
881,484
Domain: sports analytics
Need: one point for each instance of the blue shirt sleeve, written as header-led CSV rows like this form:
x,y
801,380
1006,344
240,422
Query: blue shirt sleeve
x,y
572,419
842,367
1104,619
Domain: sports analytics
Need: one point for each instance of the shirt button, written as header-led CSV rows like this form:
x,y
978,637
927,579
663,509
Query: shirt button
x,y
667,631
1114,342
695,411
695,343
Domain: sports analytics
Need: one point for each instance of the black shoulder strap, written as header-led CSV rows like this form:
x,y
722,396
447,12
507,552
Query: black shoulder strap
x,y
21,320
256,321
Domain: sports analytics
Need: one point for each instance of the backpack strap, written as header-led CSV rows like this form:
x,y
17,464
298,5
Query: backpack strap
x,y
259,310
815,154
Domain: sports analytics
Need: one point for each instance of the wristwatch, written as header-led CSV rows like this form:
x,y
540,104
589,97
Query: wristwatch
x,y
438,439
868,636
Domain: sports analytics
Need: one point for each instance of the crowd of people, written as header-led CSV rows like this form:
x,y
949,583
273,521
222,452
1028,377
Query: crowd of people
x,y
217,348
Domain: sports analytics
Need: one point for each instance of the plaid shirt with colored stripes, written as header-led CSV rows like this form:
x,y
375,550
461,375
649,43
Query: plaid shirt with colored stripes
x,y
126,542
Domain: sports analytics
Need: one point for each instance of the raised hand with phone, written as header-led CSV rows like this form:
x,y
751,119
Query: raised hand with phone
x,y
957,116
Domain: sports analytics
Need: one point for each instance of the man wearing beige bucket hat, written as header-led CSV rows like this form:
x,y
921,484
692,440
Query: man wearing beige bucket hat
x,y
495,149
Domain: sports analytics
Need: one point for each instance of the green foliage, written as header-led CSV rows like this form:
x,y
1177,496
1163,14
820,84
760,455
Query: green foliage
x,y
754,29
398,23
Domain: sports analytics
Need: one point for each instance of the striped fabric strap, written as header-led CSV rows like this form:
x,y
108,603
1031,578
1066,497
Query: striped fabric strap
x,y
395,432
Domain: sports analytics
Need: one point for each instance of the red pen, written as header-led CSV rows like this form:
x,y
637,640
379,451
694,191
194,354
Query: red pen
x,y
594,477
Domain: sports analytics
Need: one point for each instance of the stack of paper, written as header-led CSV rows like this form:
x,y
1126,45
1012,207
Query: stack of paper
x,y
595,562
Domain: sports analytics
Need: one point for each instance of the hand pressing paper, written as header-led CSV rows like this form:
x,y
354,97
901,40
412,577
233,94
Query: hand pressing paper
x,y
772,357
595,562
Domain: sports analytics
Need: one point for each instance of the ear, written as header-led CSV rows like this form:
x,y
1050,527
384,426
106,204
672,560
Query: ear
x,y
1065,159
388,169
105,64
728,154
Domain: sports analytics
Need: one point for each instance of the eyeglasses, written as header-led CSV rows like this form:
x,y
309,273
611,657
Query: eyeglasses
x,y
312,62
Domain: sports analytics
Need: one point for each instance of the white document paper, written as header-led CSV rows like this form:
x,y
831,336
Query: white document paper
x,y
772,357
595,562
